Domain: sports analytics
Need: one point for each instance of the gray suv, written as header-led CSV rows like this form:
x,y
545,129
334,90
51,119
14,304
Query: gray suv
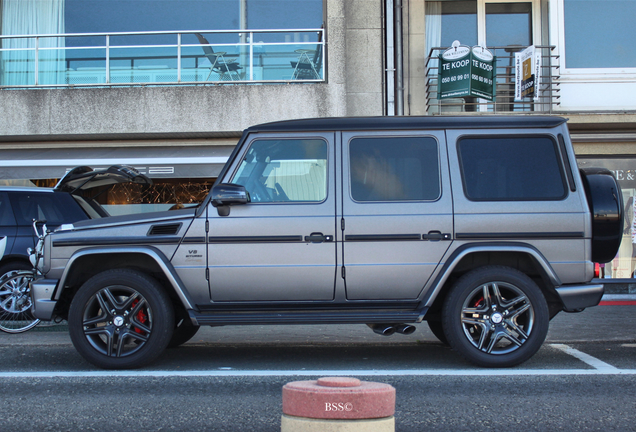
x,y
482,226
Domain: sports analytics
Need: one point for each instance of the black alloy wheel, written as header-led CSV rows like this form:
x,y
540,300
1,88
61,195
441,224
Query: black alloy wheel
x,y
121,319
496,316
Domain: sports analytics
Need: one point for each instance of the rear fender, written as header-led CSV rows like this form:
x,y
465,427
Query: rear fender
x,y
456,257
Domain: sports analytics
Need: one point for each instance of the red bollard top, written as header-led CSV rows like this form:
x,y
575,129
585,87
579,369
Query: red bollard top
x,y
338,398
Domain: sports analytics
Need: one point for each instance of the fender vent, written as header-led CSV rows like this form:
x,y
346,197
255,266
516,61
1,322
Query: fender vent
x,y
168,229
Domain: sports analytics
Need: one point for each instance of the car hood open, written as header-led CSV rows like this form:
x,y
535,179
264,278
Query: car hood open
x,y
83,178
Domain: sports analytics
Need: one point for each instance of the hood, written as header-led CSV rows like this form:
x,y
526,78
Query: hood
x,y
83,178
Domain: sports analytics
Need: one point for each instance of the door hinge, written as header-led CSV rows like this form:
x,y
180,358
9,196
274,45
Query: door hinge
x,y
207,274
343,272
342,224
207,226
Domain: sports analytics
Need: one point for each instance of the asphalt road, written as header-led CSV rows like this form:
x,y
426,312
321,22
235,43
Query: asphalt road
x,y
231,378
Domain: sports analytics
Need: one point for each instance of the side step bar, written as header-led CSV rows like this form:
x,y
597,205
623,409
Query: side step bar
x,y
305,317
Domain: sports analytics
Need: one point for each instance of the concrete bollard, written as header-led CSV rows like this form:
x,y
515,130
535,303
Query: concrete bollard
x,y
338,404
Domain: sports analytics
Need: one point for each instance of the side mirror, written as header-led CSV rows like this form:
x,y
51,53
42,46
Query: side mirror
x,y
227,194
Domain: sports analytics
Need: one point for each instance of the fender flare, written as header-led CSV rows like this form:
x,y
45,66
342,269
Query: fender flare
x,y
465,250
155,254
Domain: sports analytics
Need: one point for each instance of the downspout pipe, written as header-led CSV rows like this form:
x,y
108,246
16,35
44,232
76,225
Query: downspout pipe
x,y
399,64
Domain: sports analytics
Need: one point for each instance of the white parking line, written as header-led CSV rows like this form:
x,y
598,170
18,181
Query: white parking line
x,y
586,358
316,373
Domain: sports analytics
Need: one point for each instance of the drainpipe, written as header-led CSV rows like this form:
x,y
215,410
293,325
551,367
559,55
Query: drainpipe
x,y
399,82
390,59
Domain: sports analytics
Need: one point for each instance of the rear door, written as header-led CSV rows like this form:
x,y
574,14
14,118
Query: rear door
x,y
397,216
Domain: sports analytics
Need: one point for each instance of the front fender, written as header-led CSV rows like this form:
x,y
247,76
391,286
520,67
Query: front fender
x,y
154,254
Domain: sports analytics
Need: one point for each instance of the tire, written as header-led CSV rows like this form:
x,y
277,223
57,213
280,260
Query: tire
x,y
438,331
15,302
121,319
495,316
183,333
12,266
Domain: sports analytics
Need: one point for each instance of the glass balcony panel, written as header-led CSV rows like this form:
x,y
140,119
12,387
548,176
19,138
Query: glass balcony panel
x,y
85,66
143,65
191,58
17,65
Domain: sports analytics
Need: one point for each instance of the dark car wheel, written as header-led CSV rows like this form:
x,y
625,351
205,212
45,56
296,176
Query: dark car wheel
x,y
183,333
15,302
13,266
495,316
121,319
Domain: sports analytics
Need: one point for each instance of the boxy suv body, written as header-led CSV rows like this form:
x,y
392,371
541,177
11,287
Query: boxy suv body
x,y
482,226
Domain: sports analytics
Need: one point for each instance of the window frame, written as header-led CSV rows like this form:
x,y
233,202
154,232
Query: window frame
x,y
243,155
375,136
557,27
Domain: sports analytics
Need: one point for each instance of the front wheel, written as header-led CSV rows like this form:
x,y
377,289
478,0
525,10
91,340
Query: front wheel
x,y
121,319
495,316
15,302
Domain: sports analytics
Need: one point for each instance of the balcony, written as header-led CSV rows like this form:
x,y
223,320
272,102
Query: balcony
x,y
162,58
547,102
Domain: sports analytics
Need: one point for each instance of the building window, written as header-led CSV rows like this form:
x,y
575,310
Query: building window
x,y
600,33
447,21
624,169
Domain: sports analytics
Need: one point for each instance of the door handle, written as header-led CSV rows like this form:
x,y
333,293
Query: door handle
x,y
436,236
318,237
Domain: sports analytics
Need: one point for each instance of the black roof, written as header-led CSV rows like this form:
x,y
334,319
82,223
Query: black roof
x,y
410,123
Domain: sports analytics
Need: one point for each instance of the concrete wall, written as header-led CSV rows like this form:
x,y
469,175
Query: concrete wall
x,y
353,87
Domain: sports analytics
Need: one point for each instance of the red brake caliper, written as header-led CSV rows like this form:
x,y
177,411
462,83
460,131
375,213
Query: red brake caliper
x,y
141,317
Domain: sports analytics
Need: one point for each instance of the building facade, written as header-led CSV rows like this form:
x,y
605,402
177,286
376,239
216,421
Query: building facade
x,y
168,85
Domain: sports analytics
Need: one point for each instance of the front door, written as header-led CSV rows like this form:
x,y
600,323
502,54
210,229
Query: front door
x,y
397,217
282,245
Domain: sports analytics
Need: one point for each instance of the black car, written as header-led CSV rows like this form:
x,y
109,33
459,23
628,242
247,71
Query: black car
x,y
71,200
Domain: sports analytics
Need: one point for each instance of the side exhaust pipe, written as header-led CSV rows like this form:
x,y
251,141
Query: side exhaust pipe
x,y
404,329
389,329
382,329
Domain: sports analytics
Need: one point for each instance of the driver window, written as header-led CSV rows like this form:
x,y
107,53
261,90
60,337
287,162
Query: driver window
x,y
285,170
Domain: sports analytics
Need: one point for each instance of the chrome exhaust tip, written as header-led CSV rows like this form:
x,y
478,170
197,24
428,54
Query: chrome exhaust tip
x,y
382,329
404,329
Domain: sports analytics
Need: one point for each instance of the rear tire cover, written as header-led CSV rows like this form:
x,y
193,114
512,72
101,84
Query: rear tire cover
x,y
605,200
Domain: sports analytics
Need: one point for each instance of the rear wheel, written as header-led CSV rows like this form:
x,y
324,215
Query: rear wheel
x,y
121,319
438,331
496,316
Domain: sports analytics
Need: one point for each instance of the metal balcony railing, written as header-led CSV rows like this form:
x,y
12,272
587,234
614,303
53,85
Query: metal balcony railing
x,y
162,58
504,101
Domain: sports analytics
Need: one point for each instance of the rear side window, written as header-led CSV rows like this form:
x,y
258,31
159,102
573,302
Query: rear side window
x,y
513,168
394,169
55,208
6,214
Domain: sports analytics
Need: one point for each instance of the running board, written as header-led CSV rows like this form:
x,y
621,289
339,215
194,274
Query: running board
x,y
306,317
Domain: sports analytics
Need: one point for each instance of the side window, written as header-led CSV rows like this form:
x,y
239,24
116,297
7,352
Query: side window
x,y
285,170
511,168
6,214
394,169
